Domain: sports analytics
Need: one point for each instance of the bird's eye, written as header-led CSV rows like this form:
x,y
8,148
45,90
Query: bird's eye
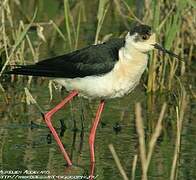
x,y
145,37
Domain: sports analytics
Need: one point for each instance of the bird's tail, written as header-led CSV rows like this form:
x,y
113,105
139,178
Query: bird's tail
x,y
33,70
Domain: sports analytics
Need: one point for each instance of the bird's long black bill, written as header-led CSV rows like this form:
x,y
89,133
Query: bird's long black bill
x,y
159,47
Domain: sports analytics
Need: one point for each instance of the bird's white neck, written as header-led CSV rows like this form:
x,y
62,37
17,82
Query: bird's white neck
x,y
130,53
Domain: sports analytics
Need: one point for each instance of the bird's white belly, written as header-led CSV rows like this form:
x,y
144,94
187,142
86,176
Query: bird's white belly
x,y
120,81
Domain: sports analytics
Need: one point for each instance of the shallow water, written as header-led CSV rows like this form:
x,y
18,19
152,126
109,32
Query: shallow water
x,y
26,144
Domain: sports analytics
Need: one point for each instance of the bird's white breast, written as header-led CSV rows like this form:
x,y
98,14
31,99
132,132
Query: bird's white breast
x,y
120,81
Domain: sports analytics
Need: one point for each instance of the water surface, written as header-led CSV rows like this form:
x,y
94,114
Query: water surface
x,y
26,144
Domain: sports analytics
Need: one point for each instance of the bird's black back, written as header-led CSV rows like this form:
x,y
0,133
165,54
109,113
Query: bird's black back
x,y
92,60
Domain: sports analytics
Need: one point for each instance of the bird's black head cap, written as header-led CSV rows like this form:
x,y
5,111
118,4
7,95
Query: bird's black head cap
x,y
141,29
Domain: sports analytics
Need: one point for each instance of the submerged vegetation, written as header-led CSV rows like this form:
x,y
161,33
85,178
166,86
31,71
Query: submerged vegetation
x,y
32,30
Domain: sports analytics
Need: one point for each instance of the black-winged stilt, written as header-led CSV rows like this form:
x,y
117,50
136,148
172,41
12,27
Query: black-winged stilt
x,y
103,71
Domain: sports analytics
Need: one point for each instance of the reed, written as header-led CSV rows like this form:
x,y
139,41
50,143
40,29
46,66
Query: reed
x,y
20,37
180,111
58,30
117,161
146,151
134,164
3,92
31,100
72,28
168,25
142,144
102,10
67,22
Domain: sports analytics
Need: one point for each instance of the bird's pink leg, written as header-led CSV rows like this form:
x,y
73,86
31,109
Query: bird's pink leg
x,y
48,117
92,137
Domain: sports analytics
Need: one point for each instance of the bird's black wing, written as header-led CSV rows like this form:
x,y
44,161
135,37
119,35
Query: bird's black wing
x,y
92,60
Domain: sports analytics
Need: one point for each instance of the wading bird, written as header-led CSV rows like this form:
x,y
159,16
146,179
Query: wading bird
x,y
103,71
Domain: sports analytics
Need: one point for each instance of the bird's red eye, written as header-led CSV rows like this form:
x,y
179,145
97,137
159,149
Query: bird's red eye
x,y
145,37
